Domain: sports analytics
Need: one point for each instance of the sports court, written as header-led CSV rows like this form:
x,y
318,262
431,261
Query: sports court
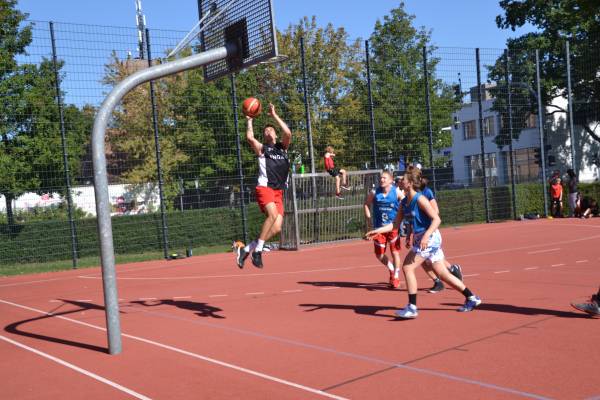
x,y
318,323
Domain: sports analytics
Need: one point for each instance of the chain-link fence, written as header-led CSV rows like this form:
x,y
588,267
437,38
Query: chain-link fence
x,y
181,175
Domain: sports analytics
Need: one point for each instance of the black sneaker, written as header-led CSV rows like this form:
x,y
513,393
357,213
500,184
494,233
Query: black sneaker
x,y
456,270
241,256
438,286
257,259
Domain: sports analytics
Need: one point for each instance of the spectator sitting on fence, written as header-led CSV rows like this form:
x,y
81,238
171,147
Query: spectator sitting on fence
x,y
587,208
556,193
335,172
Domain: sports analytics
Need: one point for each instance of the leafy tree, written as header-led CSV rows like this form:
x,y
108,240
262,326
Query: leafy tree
x,y
558,21
30,140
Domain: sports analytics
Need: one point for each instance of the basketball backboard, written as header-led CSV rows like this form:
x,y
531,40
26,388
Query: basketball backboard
x,y
248,23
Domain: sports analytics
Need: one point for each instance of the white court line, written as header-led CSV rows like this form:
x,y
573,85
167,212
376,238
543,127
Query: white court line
x,y
530,268
254,293
76,368
218,295
291,291
194,355
38,281
329,288
85,300
557,265
55,301
470,275
501,272
543,251
147,298
581,261
181,297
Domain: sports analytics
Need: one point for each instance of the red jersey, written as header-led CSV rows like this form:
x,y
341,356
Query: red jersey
x,y
556,190
329,164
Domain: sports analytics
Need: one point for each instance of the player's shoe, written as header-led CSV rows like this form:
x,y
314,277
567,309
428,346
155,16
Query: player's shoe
x,y
257,259
470,304
396,283
438,286
408,312
345,187
339,196
242,254
592,308
456,270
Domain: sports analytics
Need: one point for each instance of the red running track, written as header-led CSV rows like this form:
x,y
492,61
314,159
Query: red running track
x,y
318,323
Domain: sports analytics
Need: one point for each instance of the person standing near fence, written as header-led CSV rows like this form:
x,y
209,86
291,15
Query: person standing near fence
x,y
385,200
427,245
273,170
573,192
335,172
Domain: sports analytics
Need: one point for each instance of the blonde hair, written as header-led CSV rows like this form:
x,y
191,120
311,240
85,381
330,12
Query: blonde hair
x,y
414,176
329,149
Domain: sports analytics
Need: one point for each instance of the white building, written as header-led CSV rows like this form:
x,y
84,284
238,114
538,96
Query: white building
x,y
466,145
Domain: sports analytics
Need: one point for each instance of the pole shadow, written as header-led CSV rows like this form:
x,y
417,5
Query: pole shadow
x,y
15,327
353,285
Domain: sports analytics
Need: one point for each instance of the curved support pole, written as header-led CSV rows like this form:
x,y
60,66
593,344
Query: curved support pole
x,y
107,255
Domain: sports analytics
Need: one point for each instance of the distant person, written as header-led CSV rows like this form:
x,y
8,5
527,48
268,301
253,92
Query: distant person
x,y
335,172
556,193
573,192
587,208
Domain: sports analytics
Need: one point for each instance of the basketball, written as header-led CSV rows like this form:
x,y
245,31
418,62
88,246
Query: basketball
x,y
251,107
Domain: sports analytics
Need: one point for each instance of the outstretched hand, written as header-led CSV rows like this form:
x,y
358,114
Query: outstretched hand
x,y
272,112
370,235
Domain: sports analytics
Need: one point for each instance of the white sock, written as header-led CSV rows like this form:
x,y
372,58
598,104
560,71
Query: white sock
x,y
250,246
259,245
390,266
397,273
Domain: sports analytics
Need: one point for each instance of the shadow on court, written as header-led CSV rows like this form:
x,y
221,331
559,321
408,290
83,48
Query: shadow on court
x,y
352,285
200,309
15,327
513,309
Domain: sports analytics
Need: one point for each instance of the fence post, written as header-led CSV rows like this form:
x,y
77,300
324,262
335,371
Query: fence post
x,y
165,227
541,124
479,94
371,111
429,125
64,149
234,107
310,141
569,95
510,132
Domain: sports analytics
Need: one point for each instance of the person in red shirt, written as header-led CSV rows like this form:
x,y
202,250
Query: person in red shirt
x,y
556,195
335,172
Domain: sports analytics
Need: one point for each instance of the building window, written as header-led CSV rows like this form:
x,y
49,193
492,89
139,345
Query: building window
x,y
488,126
469,130
475,172
525,167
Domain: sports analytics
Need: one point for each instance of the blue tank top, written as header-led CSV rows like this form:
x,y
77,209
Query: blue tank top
x,y
385,207
412,212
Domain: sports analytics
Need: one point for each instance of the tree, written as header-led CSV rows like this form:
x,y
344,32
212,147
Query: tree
x,y
398,89
558,21
30,140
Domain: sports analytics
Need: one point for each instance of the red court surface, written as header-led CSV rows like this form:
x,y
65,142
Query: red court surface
x,y
318,323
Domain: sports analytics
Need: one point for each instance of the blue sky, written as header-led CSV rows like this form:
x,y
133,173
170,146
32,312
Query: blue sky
x,y
456,23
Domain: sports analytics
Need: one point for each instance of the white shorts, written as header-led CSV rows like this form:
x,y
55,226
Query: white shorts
x,y
433,251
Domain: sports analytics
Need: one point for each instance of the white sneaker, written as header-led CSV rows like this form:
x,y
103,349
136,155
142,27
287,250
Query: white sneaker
x,y
410,311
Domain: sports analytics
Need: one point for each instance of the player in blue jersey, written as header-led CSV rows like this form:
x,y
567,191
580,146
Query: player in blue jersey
x,y
455,269
385,200
427,245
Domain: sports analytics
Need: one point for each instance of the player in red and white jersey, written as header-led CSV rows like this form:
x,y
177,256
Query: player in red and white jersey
x,y
273,169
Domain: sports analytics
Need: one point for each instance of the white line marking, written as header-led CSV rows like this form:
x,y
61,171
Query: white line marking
x,y
254,293
329,288
557,265
40,281
194,355
530,268
147,298
581,261
218,295
181,297
78,369
471,275
291,291
501,272
85,301
543,251
55,301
